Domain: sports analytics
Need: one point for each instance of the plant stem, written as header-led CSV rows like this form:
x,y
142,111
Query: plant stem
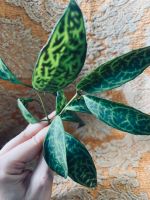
x,y
26,85
45,112
75,96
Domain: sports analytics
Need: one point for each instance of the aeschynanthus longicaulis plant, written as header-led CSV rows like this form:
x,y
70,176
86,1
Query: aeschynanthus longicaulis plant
x,y
59,63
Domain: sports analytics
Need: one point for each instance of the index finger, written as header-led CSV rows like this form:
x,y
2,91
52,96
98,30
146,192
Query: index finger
x,y
26,134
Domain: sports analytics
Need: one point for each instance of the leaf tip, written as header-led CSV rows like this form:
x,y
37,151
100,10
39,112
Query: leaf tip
x,y
93,183
72,1
64,173
90,183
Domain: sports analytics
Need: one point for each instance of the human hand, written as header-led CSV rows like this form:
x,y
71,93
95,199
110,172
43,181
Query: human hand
x,y
17,182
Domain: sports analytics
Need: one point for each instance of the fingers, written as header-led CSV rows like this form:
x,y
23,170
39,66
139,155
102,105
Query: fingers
x,y
29,132
40,186
24,152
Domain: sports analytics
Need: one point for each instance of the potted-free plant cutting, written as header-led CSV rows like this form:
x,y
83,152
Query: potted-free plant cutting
x,y
59,63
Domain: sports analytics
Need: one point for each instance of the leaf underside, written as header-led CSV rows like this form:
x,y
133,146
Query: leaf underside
x,y
119,116
81,167
116,72
55,148
63,57
23,104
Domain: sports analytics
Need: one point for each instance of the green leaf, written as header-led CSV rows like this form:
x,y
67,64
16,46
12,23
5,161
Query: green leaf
x,y
119,116
6,74
63,56
23,104
78,105
116,72
55,148
72,117
61,101
81,167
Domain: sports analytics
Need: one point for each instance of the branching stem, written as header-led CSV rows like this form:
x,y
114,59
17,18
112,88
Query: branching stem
x,y
74,97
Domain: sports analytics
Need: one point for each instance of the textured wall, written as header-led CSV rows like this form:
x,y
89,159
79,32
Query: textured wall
x,y
113,27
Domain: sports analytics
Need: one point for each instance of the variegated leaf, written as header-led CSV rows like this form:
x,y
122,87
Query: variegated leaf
x,y
6,74
119,116
23,104
116,72
55,148
63,56
61,101
81,167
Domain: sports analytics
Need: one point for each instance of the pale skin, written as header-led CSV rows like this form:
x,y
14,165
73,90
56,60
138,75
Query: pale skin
x,y
16,181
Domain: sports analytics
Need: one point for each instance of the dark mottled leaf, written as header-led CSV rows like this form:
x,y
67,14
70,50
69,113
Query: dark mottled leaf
x,y
81,167
119,116
72,117
78,105
6,74
116,72
63,56
55,148
61,101
23,104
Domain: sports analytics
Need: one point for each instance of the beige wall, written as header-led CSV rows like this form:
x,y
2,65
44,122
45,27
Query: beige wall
x,y
113,28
